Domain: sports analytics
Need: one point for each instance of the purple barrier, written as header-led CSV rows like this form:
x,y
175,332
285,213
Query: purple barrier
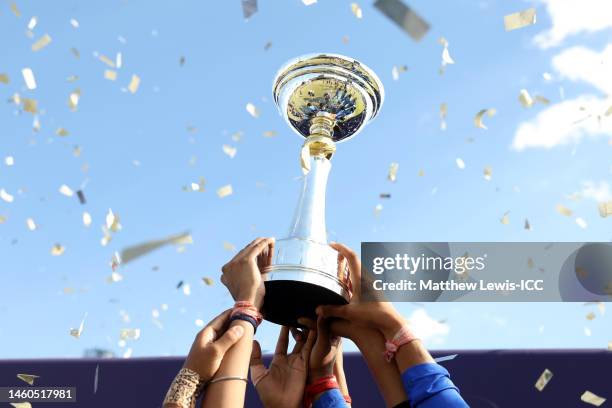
x,y
487,379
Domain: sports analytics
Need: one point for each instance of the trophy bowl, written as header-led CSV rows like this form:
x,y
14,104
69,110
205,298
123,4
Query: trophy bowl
x,y
326,98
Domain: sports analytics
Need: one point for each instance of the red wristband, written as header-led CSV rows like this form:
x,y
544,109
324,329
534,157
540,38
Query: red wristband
x,y
246,308
317,387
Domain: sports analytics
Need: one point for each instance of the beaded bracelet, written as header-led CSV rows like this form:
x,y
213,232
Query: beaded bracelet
x,y
403,336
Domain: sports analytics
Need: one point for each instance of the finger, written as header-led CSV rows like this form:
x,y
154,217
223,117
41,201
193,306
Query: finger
x,y
241,253
229,338
308,323
323,343
264,259
216,325
343,312
258,246
299,336
283,342
353,261
309,344
258,369
341,327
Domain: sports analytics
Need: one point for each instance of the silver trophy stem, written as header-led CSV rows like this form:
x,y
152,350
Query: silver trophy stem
x,y
309,219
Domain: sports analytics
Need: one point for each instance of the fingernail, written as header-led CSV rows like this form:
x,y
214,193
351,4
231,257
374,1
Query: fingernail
x,y
298,337
238,330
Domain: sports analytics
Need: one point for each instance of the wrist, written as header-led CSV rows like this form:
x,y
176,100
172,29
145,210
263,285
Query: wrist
x,y
391,324
316,374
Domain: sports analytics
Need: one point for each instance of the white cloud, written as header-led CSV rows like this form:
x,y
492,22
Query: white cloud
x,y
564,122
428,328
572,17
583,64
596,191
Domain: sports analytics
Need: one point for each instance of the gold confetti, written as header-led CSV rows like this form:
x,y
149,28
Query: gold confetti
x,y
41,43
530,263
392,175
605,208
65,190
542,100
76,333
72,78
136,251
62,132
2,219
199,186
592,399
460,163
527,225
110,74
446,58
402,15
30,105
4,195
129,334
478,118
73,99
228,246
610,345
57,250
525,99
86,219
356,10
487,173
608,112
397,70
9,160
252,109
543,380
421,173
269,133
561,209
134,84
31,224
107,60
230,151
4,78
225,191
505,218
28,378
208,281
28,78
112,221
187,289
443,114
15,10
590,316
581,223
520,19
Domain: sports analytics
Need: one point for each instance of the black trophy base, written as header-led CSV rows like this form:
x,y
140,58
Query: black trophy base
x,y
288,300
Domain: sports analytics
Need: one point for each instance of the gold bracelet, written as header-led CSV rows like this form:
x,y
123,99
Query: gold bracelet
x,y
185,389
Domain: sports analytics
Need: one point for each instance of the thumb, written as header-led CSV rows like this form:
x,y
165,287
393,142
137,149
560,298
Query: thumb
x,y
342,312
229,338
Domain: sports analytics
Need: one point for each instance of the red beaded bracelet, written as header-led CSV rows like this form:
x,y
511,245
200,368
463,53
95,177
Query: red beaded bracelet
x,y
318,386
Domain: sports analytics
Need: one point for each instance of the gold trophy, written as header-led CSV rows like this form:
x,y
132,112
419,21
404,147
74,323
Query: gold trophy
x,y
327,99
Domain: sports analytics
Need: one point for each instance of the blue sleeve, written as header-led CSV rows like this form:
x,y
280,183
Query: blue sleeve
x,y
330,399
429,386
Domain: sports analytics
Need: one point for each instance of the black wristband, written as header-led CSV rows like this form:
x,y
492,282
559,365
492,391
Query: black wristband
x,y
245,318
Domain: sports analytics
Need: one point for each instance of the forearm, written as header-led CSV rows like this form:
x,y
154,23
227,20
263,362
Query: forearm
x,y
230,394
387,377
410,354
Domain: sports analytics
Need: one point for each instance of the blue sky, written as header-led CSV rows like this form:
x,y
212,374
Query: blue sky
x,y
226,67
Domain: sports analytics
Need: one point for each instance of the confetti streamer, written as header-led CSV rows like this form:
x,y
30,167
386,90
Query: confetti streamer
x,y
544,379
252,109
592,399
130,253
402,15
356,10
21,404
9,160
397,70
445,358
32,23
309,2
225,191
393,169
488,173
249,7
107,60
134,84
378,209
28,78
5,196
76,333
110,74
28,378
119,60
62,132
75,52
57,250
112,221
86,219
443,114
269,133
581,223
384,195
73,99
186,289
228,246
65,190
81,197
4,78
605,208
505,218
15,10
208,281
590,316
478,118
525,99
561,209
31,224
460,163
542,100
520,19
129,334
446,58
230,151
96,378
74,23
41,43
527,226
